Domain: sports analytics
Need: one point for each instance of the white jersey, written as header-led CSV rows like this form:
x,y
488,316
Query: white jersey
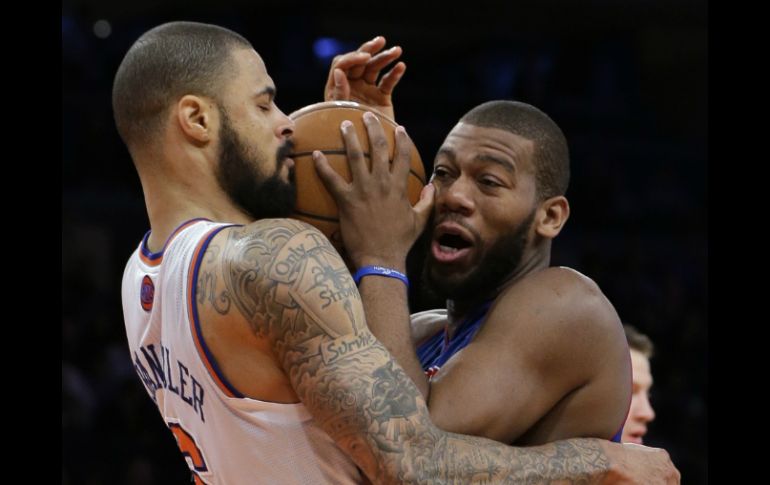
x,y
225,437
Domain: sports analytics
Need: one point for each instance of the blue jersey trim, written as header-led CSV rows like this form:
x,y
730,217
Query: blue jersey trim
x,y
196,321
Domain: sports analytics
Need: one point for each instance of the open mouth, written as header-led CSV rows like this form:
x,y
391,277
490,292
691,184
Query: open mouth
x,y
451,243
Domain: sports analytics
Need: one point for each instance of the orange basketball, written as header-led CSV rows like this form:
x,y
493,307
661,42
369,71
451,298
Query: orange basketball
x,y
317,127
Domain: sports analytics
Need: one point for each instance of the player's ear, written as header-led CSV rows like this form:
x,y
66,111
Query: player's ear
x,y
551,216
195,117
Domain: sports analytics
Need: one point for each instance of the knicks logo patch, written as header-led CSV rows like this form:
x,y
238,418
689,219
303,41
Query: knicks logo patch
x,y
147,295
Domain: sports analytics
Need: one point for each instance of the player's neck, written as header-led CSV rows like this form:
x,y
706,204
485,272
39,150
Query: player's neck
x,y
170,206
460,309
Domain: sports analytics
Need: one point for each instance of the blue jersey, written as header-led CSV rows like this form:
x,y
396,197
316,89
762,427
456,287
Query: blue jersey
x,y
437,350
434,352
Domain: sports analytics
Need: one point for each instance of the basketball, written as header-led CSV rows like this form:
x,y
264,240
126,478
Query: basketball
x,y
317,127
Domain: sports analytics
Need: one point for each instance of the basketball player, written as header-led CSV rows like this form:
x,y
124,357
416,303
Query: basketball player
x,y
641,412
246,328
524,353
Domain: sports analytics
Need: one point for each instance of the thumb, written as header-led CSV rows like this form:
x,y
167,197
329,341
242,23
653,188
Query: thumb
x,y
424,206
341,91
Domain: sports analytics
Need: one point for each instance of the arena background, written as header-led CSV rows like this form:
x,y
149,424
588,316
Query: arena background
x,y
626,81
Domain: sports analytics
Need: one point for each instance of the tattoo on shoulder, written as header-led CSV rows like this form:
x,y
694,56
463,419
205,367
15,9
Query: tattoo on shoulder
x,y
280,270
206,289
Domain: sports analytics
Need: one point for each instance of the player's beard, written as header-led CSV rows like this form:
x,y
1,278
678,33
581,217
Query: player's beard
x,y
494,266
238,174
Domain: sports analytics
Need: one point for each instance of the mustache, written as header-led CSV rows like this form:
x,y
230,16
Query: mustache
x,y
284,151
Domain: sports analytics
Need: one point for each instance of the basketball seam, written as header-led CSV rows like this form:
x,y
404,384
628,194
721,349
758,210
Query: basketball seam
x,y
315,216
333,219
344,152
377,113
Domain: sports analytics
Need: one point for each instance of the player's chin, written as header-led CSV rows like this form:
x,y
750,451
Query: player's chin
x,y
446,275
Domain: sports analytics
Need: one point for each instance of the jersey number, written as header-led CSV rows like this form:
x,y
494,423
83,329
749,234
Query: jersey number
x,y
190,449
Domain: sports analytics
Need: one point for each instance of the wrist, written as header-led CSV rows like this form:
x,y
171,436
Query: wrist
x,y
392,263
380,271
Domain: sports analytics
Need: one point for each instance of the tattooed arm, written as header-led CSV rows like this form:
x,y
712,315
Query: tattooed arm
x,y
297,293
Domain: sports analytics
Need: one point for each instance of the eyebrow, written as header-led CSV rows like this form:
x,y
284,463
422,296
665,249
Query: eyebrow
x,y
269,90
450,154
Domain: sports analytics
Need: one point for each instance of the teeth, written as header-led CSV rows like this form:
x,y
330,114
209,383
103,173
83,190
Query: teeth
x,y
448,249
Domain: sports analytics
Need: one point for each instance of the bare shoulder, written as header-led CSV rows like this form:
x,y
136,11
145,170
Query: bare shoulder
x,y
274,243
273,233
568,290
586,299
557,304
564,280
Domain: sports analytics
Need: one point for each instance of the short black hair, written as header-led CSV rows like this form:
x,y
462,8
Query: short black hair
x,y
164,64
551,155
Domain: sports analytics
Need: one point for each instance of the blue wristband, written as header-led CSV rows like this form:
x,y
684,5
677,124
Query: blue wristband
x,y
380,271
